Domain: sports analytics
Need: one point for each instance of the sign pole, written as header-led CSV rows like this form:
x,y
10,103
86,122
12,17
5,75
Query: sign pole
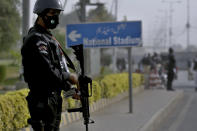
x,y
130,80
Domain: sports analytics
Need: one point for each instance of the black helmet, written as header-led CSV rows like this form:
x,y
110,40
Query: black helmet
x,y
41,5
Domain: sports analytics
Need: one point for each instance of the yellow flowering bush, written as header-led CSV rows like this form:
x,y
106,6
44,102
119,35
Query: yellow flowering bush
x,y
13,106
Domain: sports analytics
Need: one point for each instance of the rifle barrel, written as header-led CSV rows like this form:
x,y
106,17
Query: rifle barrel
x,y
86,127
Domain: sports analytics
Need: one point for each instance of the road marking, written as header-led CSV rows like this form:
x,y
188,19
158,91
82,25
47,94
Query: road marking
x,y
181,116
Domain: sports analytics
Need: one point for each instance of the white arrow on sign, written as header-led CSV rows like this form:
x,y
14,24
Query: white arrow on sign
x,y
73,35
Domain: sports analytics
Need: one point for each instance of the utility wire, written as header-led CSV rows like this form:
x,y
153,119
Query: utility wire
x,y
194,27
181,33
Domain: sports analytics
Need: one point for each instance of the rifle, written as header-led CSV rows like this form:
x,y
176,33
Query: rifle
x,y
84,81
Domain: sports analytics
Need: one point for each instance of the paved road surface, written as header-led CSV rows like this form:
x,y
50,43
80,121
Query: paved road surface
x,y
184,116
116,117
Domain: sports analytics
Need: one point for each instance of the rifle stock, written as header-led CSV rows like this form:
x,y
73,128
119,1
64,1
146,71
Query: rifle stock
x,y
84,83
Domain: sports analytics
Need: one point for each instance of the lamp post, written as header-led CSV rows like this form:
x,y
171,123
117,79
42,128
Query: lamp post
x,y
160,26
188,24
171,18
87,52
115,49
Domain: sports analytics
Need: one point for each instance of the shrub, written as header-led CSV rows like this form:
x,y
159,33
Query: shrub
x,y
117,83
13,110
13,106
16,56
96,92
71,103
96,95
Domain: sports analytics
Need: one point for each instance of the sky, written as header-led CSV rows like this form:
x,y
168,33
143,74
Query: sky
x,y
154,15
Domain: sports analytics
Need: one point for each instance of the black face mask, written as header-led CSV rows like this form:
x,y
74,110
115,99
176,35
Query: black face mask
x,y
51,22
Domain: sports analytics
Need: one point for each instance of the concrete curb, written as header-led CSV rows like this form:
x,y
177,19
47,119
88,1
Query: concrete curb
x,y
157,118
68,118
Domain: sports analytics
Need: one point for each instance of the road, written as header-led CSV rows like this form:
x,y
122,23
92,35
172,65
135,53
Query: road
x,y
184,116
115,117
147,104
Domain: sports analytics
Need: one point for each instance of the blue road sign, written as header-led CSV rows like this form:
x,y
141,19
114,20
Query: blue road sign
x,y
116,34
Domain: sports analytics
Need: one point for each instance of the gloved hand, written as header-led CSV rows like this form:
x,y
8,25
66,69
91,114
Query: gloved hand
x,y
73,79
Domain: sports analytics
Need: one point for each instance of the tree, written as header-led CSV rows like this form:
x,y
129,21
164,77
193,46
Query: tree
x,y
100,14
9,23
60,36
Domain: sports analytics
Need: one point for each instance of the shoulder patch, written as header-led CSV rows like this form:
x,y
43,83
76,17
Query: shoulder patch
x,y
43,49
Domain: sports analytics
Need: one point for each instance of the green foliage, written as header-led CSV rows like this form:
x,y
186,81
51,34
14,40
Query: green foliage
x,y
16,56
2,72
9,23
60,36
96,95
100,14
10,73
13,106
137,79
71,103
96,92
10,81
13,110
114,84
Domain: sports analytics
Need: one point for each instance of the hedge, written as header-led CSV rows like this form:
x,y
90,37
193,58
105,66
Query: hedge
x,y
117,83
13,110
13,105
96,95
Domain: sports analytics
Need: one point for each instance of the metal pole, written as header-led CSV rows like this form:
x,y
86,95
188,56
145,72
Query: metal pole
x,y
115,49
83,11
26,17
170,19
170,24
188,24
130,80
166,33
86,51
25,24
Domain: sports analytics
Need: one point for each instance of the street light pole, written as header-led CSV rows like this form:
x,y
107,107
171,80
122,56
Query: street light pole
x,y
115,49
162,29
188,24
82,18
171,19
170,22
87,52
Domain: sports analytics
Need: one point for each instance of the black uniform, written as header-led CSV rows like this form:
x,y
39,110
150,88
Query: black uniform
x,y
45,73
171,67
